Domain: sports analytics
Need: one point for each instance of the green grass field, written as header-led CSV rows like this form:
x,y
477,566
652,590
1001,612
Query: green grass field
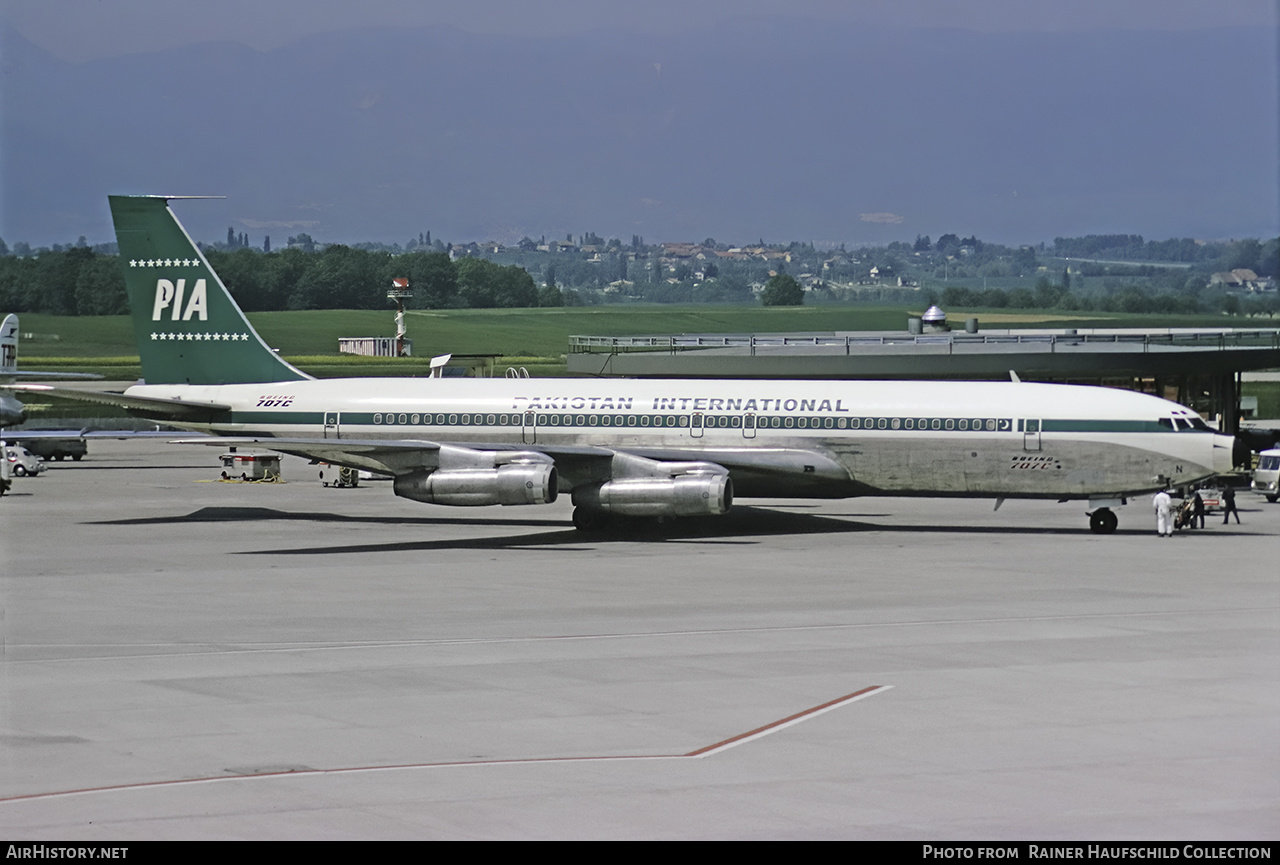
x,y
1268,394
537,333
541,333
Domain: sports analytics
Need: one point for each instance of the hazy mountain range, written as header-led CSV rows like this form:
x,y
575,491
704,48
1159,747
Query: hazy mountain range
x,y
777,130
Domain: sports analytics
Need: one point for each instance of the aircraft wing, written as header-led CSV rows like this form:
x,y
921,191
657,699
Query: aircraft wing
x,y
162,409
755,471
383,456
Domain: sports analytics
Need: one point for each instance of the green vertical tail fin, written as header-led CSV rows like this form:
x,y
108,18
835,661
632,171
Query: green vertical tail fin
x,y
189,328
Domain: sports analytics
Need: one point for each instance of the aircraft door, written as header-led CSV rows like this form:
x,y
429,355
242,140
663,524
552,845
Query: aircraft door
x,y
529,428
696,422
749,426
1031,434
332,428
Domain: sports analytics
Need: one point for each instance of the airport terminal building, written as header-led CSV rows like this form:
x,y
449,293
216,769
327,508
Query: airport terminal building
x,y
1198,367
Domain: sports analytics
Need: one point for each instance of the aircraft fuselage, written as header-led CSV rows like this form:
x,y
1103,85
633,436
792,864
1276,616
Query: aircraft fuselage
x,y
993,439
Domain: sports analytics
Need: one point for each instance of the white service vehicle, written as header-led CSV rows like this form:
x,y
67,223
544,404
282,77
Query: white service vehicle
x,y
22,462
1266,477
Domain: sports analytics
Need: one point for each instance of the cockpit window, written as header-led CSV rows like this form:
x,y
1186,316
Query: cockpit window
x,y
1166,422
1197,423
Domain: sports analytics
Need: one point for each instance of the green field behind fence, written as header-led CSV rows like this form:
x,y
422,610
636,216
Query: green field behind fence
x,y
544,333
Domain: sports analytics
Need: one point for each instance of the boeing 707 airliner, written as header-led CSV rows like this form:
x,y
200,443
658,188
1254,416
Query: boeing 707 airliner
x,y
634,448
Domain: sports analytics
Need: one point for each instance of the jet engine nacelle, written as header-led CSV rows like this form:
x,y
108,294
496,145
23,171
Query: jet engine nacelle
x,y
490,478
681,496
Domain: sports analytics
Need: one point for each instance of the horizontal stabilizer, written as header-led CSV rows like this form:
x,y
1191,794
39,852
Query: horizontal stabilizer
x,y
45,374
13,435
157,409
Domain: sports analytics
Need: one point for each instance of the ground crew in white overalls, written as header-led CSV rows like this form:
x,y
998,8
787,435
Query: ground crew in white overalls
x,y
1163,503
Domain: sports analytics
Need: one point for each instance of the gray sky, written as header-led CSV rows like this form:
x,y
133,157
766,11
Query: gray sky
x,y
79,30
1018,120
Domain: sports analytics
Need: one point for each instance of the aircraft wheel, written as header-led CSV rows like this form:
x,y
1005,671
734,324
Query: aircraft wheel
x,y
589,519
77,457
1103,521
58,457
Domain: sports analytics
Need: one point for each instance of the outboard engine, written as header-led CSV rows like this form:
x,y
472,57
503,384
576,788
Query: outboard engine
x,y
467,477
651,488
683,496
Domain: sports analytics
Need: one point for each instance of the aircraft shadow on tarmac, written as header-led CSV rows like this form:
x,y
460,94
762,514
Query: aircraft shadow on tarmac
x,y
744,525
257,514
739,527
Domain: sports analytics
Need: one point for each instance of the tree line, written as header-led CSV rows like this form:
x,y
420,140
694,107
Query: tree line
x,y
1190,298
83,280
80,281
1263,258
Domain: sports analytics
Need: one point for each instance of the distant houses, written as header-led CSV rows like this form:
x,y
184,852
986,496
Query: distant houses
x,y
1242,277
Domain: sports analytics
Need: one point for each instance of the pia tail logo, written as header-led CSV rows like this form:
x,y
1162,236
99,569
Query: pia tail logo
x,y
170,296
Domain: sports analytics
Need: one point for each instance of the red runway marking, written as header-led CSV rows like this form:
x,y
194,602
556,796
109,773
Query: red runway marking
x,y
699,753
785,722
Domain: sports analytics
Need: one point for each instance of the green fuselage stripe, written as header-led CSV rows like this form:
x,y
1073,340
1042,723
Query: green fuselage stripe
x,y
630,421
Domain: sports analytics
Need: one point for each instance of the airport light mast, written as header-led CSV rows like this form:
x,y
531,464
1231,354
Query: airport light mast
x,y
400,292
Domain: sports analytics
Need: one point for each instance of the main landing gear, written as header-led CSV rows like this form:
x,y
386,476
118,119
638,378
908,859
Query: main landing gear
x,y
1103,521
590,519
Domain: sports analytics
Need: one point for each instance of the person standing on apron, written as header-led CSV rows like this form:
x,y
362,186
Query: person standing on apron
x,y
1229,506
1163,503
